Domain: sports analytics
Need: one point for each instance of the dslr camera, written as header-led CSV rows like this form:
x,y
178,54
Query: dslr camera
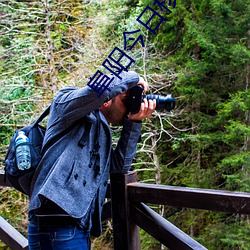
x,y
135,97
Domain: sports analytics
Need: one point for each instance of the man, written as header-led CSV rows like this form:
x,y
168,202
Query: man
x,y
69,187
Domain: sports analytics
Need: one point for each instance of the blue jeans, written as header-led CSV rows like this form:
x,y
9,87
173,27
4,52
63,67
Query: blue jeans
x,y
57,238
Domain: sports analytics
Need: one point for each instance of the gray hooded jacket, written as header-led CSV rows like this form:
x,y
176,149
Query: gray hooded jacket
x,y
67,174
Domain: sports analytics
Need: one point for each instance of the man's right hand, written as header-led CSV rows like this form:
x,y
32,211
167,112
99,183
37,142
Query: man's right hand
x,y
144,84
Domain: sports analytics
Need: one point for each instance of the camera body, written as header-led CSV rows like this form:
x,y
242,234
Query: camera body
x,y
135,97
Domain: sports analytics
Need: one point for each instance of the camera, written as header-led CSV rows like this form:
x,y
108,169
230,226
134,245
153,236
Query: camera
x,y
135,97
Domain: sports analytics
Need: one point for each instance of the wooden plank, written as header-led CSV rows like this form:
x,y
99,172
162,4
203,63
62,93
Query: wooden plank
x,y
2,181
161,229
11,237
125,231
208,199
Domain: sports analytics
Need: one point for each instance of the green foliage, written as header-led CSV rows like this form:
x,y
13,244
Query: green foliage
x,y
42,47
148,242
14,208
200,54
205,44
223,235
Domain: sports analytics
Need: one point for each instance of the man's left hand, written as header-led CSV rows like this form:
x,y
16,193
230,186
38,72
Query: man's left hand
x,y
147,108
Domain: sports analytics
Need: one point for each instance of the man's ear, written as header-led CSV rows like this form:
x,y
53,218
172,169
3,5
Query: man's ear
x,y
105,104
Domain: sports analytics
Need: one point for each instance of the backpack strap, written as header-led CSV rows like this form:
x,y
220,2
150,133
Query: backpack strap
x,y
43,115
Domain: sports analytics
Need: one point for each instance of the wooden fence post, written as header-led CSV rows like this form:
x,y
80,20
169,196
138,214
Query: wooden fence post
x,y
126,233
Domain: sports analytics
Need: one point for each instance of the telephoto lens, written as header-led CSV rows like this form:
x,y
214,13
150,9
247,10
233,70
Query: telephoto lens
x,y
162,102
135,98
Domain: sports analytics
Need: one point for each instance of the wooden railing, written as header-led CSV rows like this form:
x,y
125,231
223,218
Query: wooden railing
x,y
129,212
8,234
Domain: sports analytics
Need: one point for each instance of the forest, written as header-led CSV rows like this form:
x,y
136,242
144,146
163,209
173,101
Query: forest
x,y
198,51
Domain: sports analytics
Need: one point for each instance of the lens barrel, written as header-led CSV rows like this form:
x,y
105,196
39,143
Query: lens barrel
x,y
135,98
162,102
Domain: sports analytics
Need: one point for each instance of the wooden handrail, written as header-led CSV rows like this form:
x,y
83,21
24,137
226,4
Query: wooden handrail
x,y
161,229
208,199
129,212
134,193
11,237
4,182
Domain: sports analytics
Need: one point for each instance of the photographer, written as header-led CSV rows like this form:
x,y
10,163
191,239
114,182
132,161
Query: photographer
x,y
70,185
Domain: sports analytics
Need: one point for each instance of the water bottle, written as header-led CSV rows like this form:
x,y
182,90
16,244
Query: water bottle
x,y
23,156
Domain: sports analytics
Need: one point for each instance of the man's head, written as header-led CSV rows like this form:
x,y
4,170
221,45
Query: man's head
x,y
115,110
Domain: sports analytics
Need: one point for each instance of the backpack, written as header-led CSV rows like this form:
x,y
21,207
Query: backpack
x,y
21,179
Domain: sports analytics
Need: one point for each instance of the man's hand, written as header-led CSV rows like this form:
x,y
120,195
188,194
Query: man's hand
x,y
144,84
147,108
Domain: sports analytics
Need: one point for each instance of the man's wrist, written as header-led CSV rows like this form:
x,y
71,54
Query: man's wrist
x,y
134,120
128,121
